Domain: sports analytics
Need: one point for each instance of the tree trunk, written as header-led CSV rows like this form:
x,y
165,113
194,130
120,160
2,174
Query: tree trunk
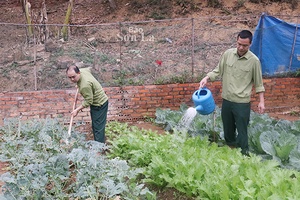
x,y
43,29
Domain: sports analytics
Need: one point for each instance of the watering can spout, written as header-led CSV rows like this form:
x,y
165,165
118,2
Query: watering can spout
x,y
199,108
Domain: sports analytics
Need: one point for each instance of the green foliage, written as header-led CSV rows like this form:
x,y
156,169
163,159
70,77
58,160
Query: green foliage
x,y
120,77
199,77
183,77
256,128
277,138
279,145
201,125
297,73
106,59
199,168
127,141
44,167
285,74
268,137
169,118
85,55
149,119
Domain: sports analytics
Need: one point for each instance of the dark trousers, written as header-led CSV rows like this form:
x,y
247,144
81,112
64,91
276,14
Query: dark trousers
x,y
236,116
99,115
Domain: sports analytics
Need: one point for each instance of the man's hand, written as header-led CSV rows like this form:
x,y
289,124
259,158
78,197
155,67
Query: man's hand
x,y
261,105
203,82
76,111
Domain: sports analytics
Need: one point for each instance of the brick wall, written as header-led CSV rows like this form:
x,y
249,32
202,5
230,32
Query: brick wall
x,y
133,103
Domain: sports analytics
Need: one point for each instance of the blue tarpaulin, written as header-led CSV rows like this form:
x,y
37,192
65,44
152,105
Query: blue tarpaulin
x,y
277,44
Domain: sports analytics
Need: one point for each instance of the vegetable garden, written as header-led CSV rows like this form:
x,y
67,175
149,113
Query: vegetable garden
x,y
137,163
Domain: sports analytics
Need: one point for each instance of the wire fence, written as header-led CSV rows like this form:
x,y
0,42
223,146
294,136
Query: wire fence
x,y
125,53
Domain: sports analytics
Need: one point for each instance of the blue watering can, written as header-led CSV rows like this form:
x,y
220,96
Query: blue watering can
x,y
204,101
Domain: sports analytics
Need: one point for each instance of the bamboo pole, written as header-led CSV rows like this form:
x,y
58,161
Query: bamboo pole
x,y
67,21
26,9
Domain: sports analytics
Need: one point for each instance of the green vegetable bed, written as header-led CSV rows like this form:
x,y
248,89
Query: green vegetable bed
x,y
186,159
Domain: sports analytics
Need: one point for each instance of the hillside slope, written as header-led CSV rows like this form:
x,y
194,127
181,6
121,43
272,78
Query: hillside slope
x,y
97,11
16,62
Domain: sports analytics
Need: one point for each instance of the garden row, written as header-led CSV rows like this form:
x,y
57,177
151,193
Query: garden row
x,y
42,166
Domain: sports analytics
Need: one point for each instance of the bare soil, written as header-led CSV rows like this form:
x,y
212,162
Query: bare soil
x,y
47,72
292,115
100,11
3,169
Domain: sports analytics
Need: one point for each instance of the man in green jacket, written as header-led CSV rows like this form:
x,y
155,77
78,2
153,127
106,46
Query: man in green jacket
x,y
94,97
240,70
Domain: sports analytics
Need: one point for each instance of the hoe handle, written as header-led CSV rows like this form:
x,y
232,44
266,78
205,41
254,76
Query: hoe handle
x,y
74,106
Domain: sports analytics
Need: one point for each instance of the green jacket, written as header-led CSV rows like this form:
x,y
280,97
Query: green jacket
x,y
90,89
239,75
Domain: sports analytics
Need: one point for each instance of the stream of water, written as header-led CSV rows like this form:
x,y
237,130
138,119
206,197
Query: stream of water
x,y
187,118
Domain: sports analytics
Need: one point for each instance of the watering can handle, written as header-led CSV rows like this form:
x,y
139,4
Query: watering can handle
x,y
199,92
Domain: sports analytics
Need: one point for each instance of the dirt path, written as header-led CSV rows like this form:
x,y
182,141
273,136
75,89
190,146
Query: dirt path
x,y
3,169
149,126
292,115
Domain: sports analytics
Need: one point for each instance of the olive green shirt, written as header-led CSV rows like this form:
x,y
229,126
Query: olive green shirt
x,y
239,75
90,89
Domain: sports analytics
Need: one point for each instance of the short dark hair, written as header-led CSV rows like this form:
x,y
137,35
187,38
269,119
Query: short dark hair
x,y
245,34
73,67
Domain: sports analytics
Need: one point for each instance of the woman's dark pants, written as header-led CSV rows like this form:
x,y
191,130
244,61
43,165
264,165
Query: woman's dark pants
x,y
236,116
99,115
